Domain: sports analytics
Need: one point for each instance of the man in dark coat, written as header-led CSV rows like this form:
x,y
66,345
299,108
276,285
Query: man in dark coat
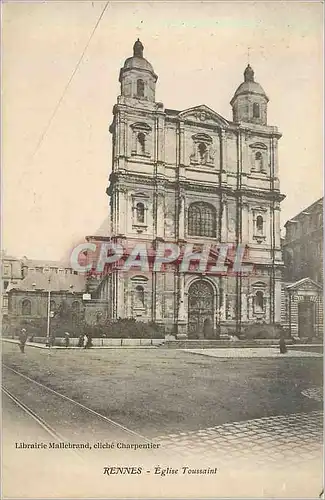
x,y
22,340
282,345
66,339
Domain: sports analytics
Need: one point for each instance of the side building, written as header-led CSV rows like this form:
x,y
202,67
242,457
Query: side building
x,y
302,301
36,285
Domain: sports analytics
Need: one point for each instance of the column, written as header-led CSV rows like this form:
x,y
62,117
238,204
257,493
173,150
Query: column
x,y
181,297
159,296
181,215
114,294
116,210
277,301
123,210
267,300
244,307
245,222
224,220
223,167
153,296
250,306
160,214
222,298
160,144
277,243
122,134
181,144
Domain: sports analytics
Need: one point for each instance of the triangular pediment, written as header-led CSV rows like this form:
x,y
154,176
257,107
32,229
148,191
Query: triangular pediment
x,y
203,114
304,284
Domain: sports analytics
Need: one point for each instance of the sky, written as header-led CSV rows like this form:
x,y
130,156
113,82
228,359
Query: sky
x,y
53,184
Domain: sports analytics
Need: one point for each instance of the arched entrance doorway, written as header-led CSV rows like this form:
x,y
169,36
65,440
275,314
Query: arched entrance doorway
x,y
200,310
306,318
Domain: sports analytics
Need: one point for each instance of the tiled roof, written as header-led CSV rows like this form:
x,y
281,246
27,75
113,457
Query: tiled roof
x,y
47,263
58,282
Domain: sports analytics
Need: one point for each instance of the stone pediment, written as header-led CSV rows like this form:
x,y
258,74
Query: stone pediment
x,y
202,114
305,284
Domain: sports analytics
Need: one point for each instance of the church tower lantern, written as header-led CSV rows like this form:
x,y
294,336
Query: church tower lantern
x,y
249,103
137,77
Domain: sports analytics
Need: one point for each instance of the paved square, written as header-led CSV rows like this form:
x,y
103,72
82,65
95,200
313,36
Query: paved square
x,y
250,352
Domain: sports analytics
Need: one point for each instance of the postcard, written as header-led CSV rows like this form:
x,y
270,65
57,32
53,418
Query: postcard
x,y
162,249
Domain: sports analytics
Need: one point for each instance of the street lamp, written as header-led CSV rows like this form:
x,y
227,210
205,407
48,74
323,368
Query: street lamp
x,y
290,315
48,313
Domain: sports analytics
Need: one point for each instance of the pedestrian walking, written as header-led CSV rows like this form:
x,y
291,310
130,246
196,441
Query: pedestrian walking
x,y
85,342
88,341
52,339
22,340
282,345
81,340
66,339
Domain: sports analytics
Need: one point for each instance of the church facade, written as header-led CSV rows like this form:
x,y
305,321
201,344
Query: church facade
x,y
193,177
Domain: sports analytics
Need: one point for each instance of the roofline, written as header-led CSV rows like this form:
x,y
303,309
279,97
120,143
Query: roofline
x,y
98,237
301,281
293,219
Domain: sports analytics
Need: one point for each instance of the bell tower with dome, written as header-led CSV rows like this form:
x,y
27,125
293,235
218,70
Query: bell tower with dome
x,y
137,77
249,103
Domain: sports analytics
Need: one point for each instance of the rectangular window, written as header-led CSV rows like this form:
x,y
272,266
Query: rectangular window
x,y
6,270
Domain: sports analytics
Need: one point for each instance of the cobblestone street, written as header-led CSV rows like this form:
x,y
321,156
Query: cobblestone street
x,y
294,438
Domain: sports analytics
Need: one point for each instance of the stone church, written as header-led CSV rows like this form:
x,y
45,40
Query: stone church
x,y
192,176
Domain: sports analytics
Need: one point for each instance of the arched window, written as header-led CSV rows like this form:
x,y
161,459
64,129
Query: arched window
x,y
140,134
139,296
140,88
140,213
259,301
201,220
256,110
26,308
141,137
202,149
76,306
259,225
258,161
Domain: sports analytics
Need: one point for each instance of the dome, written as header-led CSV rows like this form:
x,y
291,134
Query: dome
x,y
138,63
249,86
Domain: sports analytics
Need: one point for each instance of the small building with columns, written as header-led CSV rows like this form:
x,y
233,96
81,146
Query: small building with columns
x,y
193,177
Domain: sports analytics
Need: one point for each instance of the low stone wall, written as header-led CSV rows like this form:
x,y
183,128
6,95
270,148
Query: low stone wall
x,y
104,342
214,344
